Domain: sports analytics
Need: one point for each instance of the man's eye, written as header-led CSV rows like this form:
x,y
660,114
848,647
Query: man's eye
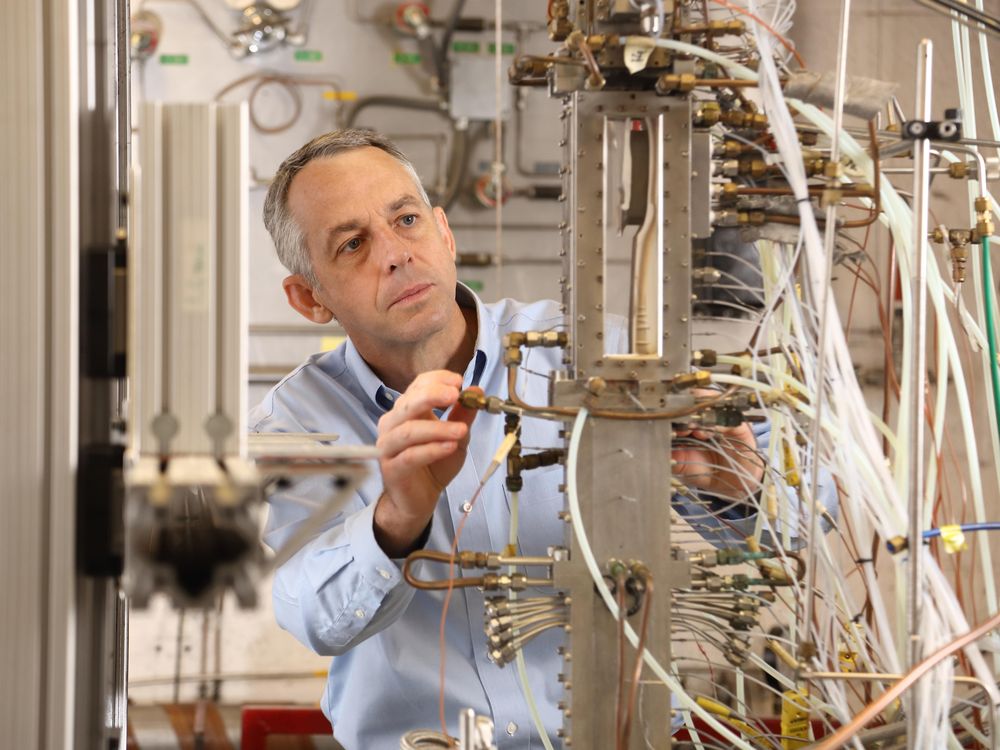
x,y
409,220
352,244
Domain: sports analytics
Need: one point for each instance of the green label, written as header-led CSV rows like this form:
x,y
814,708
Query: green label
x,y
173,59
507,48
473,284
308,55
406,58
465,47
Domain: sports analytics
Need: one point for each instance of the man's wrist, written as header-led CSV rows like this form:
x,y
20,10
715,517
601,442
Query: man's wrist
x,y
395,532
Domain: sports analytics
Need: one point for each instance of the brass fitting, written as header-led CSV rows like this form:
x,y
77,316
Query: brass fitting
x,y
674,82
696,379
560,26
833,170
958,170
984,219
732,148
704,358
959,240
729,192
753,218
734,27
707,114
596,385
815,167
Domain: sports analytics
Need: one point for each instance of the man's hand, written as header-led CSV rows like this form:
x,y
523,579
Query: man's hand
x,y
420,455
727,465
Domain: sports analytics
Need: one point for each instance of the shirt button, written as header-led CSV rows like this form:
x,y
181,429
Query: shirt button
x,y
359,613
466,507
512,729
388,396
384,573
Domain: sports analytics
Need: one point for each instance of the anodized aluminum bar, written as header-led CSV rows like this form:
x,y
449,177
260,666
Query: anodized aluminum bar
x,y
231,293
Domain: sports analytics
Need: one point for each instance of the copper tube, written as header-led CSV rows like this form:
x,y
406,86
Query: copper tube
x,y
853,193
596,79
838,738
878,676
731,83
637,670
571,411
877,209
782,219
439,585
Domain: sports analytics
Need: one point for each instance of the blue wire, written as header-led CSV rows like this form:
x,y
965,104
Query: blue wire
x,y
987,526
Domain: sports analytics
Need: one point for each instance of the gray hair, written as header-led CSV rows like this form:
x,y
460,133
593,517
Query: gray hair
x,y
289,240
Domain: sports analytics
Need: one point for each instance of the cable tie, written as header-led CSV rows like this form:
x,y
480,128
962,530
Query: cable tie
x,y
863,560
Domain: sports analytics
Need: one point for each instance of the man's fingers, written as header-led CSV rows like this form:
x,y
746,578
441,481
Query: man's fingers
x,y
417,432
419,401
417,457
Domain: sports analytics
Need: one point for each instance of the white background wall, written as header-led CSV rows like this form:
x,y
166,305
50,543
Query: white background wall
x,y
357,55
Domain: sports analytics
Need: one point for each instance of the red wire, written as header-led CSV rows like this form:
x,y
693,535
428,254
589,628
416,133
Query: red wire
x,y
784,42
447,603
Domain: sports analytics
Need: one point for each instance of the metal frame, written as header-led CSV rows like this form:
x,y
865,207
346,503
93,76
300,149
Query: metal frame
x,y
625,495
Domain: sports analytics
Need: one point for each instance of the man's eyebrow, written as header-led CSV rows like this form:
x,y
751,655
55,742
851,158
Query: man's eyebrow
x,y
348,226
403,201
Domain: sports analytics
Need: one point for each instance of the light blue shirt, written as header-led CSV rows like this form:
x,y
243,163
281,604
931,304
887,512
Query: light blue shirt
x,y
343,597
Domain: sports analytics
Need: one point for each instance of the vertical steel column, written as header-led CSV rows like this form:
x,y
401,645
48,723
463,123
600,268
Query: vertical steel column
x,y
104,125
625,473
921,191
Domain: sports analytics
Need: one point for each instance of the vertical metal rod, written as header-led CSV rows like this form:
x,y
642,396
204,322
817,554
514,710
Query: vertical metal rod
x,y
466,729
829,240
918,375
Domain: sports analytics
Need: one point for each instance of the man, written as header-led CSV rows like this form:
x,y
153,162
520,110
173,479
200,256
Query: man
x,y
354,227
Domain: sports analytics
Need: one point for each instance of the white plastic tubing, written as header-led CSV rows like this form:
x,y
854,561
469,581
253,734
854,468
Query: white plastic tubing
x,y
888,514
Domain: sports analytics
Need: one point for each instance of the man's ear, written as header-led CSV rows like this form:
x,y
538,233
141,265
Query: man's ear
x,y
442,222
302,298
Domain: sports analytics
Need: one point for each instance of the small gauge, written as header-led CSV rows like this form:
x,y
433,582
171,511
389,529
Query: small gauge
x,y
145,37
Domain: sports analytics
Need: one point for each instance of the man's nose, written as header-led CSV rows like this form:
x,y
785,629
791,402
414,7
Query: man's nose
x,y
395,251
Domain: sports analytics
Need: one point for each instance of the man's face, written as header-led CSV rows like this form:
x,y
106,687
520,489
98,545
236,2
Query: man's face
x,y
384,260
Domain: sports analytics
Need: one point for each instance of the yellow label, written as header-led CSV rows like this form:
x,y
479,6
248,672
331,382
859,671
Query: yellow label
x,y
794,720
340,96
954,538
848,660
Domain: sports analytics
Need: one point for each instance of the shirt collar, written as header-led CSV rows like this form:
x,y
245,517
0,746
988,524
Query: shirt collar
x,y
487,350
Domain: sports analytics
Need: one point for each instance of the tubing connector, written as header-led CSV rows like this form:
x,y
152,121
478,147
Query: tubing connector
x,y
696,379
